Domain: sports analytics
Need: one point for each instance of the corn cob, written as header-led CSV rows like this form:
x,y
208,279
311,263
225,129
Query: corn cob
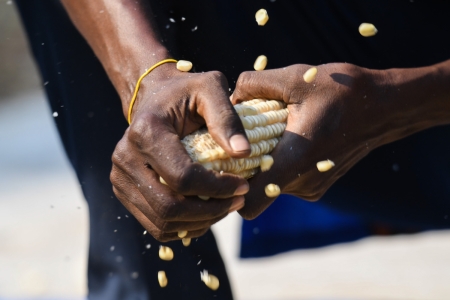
x,y
264,123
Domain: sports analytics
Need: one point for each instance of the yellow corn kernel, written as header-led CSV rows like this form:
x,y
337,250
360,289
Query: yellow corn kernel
x,y
184,65
260,63
367,29
264,133
310,75
248,173
324,165
186,241
264,118
162,279
162,180
244,110
182,234
266,163
210,280
272,190
165,253
261,17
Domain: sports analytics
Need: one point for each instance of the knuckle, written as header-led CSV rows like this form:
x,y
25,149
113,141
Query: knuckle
x,y
118,181
137,128
216,76
120,153
244,79
114,178
116,192
161,225
298,68
183,182
169,211
159,236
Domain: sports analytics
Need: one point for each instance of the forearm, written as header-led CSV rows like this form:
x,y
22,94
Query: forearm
x,y
417,99
122,35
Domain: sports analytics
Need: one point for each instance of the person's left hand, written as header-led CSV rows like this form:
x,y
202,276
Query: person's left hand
x,y
342,115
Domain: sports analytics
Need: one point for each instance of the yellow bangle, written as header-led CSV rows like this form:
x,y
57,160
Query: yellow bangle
x,y
138,84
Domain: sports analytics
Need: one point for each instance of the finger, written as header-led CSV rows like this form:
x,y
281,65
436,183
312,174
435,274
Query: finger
x,y
159,202
158,234
135,203
128,200
288,163
221,118
275,84
159,146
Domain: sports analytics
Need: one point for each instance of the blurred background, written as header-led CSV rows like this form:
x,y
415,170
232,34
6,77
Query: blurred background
x,y
43,220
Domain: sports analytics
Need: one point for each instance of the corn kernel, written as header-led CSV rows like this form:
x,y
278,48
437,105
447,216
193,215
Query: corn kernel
x,y
165,253
367,29
261,17
260,63
272,190
182,234
162,180
324,165
266,162
210,280
184,65
310,75
186,241
162,279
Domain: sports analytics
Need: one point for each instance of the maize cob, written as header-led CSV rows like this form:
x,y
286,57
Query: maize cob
x,y
264,123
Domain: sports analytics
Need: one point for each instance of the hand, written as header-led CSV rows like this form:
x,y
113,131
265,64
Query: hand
x,y
342,115
170,105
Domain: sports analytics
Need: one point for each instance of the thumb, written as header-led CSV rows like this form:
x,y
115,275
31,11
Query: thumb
x,y
223,122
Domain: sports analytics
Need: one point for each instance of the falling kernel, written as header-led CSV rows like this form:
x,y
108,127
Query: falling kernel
x,y
261,17
367,29
324,165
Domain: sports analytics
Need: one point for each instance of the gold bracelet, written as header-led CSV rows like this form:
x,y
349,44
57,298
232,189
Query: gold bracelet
x,y
138,84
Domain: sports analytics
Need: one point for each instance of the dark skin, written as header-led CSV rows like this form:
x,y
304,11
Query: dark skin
x,y
344,114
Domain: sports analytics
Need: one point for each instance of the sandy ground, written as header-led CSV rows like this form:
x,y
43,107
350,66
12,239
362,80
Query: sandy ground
x,y
43,221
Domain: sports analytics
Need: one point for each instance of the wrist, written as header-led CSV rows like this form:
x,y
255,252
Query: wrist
x,y
415,99
126,80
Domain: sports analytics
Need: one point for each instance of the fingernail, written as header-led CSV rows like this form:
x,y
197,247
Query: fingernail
x,y
239,143
237,204
242,190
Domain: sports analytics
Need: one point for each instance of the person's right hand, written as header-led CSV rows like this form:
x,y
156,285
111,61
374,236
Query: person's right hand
x,y
170,105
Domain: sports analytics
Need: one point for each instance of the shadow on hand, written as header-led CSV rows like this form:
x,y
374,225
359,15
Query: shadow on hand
x,y
343,79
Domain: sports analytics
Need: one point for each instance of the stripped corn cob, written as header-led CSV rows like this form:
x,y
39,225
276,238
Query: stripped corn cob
x,y
264,123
